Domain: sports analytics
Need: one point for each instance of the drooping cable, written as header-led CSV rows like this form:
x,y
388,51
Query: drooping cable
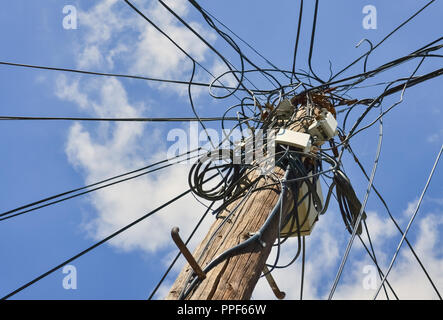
x,y
201,84
182,119
99,243
360,215
382,200
97,186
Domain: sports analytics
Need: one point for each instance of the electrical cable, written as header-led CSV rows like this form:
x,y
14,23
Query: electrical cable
x,y
384,39
47,273
242,40
360,215
183,119
300,16
411,220
256,238
176,44
302,269
311,46
6,63
375,257
97,244
46,201
395,222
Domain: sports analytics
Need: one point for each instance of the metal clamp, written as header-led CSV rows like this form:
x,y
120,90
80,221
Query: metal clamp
x,y
262,243
188,256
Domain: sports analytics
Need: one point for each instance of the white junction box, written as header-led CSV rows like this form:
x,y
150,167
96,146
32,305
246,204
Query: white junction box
x,y
307,219
325,128
294,139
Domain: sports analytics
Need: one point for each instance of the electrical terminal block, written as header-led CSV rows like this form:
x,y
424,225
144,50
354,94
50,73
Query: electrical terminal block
x,y
294,139
324,128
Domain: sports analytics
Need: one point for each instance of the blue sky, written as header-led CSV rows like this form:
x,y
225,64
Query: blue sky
x,y
44,158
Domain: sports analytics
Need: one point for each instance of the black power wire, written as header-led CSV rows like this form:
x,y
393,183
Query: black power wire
x,y
384,39
97,244
242,40
76,192
182,119
300,16
380,197
302,269
6,63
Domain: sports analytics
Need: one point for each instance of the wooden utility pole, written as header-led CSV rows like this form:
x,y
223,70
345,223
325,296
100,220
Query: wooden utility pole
x,y
236,277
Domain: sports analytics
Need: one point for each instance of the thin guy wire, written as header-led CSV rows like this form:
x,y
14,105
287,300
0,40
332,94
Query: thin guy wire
x,y
410,223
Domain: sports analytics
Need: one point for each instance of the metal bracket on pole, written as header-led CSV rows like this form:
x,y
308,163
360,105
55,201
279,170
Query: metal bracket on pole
x,y
279,294
188,256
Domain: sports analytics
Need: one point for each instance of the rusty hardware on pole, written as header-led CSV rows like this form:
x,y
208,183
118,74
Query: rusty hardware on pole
x,y
279,294
188,256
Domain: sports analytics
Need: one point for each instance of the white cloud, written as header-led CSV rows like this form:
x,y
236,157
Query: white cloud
x,y
116,53
102,21
70,91
113,149
118,35
406,277
322,253
409,211
381,229
325,247
228,79
436,137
